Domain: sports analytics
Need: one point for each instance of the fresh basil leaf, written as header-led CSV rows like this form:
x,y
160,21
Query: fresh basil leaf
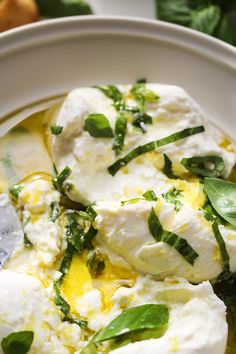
x,y
206,19
153,145
221,244
98,126
224,30
206,166
120,132
172,197
61,8
211,214
150,196
122,107
15,190
222,195
55,210
140,121
167,169
131,320
18,342
111,91
178,11
95,262
59,181
173,240
56,129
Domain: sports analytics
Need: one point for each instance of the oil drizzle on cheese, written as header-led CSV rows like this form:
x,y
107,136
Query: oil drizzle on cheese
x,y
79,281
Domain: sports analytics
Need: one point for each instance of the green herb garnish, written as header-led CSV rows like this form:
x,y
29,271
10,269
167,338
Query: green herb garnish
x,y
222,195
142,94
89,215
98,126
59,180
153,145
211,214
15,190
95,262
172,197
205,166
18,342
140,121
173,240
136,323
111,91
55,210
167,169
56,129
27,242
221,244
150,196
120,132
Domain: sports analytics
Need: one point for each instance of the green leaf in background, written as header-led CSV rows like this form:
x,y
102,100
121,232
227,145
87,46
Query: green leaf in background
x,y
61,8
18,342
224,31
211,17
206,19
98,126
176,11
222,195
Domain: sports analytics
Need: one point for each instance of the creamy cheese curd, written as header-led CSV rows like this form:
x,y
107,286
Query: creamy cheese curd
x,y
24,305
47,237
124,230
89,157
137,269
195,314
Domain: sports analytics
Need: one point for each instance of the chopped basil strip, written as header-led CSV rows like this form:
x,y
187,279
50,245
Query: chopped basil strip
x,y
130,201
59,300
223,250
222,195
17,342
98,126
167,169
76,235
89,215
142,94
95,262
55,210
27,242
205,166
15,190
137,323
172,197
111,91
56,129
141,81
150,196
59,180
140,121
153,145
121,106
173,240
120,132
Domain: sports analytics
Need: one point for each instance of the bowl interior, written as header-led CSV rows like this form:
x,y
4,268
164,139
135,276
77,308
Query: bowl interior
x,y
48,59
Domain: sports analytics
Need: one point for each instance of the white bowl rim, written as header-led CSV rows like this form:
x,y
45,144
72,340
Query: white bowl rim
x,y
58,29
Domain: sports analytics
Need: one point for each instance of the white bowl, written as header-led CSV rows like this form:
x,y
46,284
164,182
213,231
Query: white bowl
x,y
51,57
